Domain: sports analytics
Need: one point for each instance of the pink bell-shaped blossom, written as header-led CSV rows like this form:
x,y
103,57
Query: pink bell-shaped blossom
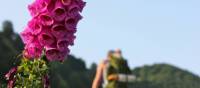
x,y
73,10
11,83
59,12
71,38
27,36
66,2
59,31
10,74
33,9
46,39
35,27
70,23
45,81
62,44
53,54
46,19
80,3
33,50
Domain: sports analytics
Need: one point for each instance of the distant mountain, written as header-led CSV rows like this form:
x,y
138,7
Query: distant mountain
x,y
164,76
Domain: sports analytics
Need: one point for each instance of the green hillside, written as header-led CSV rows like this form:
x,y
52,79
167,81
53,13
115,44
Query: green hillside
x,y
165,76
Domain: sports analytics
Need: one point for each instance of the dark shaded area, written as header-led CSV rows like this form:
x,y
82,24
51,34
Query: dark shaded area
x,y
10,46
73,73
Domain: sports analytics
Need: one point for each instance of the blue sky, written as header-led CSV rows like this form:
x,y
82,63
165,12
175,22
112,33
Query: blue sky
x,y
148,31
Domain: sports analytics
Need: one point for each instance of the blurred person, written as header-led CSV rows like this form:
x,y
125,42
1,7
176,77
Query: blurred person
x,y
113,72
98,80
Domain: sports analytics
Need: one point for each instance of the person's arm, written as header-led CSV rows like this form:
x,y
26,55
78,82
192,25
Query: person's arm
x,y
126,78
113,77
122,77
98,77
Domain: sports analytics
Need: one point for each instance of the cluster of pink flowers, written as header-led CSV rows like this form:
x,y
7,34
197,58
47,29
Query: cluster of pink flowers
x,y
51,29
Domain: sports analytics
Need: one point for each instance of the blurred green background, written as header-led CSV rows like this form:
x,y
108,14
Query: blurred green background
x,y
73,73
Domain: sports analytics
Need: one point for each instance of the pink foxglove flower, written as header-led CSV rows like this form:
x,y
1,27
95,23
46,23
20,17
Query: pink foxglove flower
x,y
46,19
47,36
11,73
66,2
62,45
70,39
11,83
45,81
59,31
53,54
27,36
46,39
59,12
33,50
52,28
34,27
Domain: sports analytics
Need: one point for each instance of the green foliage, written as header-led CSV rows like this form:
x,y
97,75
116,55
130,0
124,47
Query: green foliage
x,y
73,73
30,73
